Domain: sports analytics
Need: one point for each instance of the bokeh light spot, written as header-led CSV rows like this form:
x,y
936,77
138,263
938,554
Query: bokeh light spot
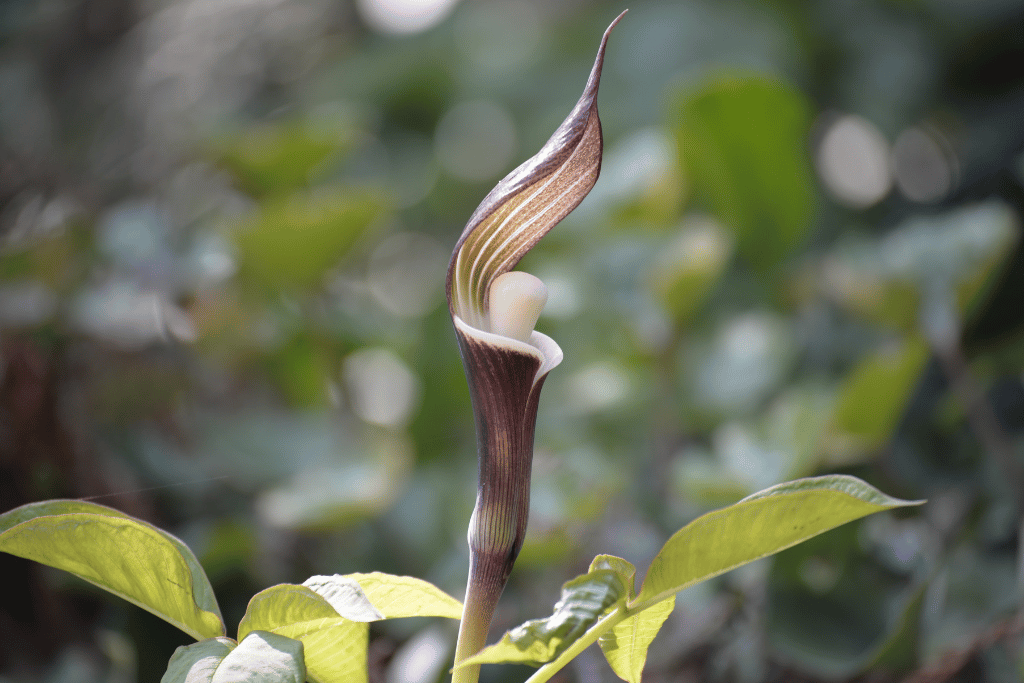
x,y
853,161
924,171
404,17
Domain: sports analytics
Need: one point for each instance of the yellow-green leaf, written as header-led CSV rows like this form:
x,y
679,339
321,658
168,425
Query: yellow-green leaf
x,y
334,647
404,596
759,525
625,645
128,557
281,605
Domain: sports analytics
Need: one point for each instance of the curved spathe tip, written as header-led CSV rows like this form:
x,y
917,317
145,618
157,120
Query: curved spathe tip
x,y
527,203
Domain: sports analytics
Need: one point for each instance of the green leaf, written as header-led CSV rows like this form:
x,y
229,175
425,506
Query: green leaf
x,y
743,141
625,645
404,596
897,653
270,158
345,595
130,558
283,605
261,658
292,241
759,525
873,398
584,601
335,647
755,527
329,613
197,662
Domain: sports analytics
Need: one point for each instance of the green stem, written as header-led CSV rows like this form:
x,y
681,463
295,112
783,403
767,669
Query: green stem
x,y
482,592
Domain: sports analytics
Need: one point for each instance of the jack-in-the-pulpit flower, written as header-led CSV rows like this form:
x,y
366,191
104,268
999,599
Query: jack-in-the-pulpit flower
x,y
506,360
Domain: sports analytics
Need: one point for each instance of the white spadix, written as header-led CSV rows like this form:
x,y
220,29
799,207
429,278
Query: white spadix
x,y
516,300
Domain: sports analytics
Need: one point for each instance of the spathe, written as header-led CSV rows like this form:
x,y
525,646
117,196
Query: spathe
x,y
506,373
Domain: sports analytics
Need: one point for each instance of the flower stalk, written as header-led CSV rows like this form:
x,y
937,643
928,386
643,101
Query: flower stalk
x,y
494,310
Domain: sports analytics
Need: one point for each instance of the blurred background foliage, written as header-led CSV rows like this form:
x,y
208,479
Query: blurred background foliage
x,y
225,226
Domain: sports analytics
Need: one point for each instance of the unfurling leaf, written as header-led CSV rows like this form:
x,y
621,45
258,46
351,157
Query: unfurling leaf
x,y
375,596
198,662
263,658
625,644
584,601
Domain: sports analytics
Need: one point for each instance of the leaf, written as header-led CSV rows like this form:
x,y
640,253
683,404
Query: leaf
x,y
759,525
345,595
263,658
527,203
743,141
197,662
335,647
587,606
260,658
873,398
270,158
130,558
405,596
897,652
625,645
323,615
584,601
292,241
282,605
